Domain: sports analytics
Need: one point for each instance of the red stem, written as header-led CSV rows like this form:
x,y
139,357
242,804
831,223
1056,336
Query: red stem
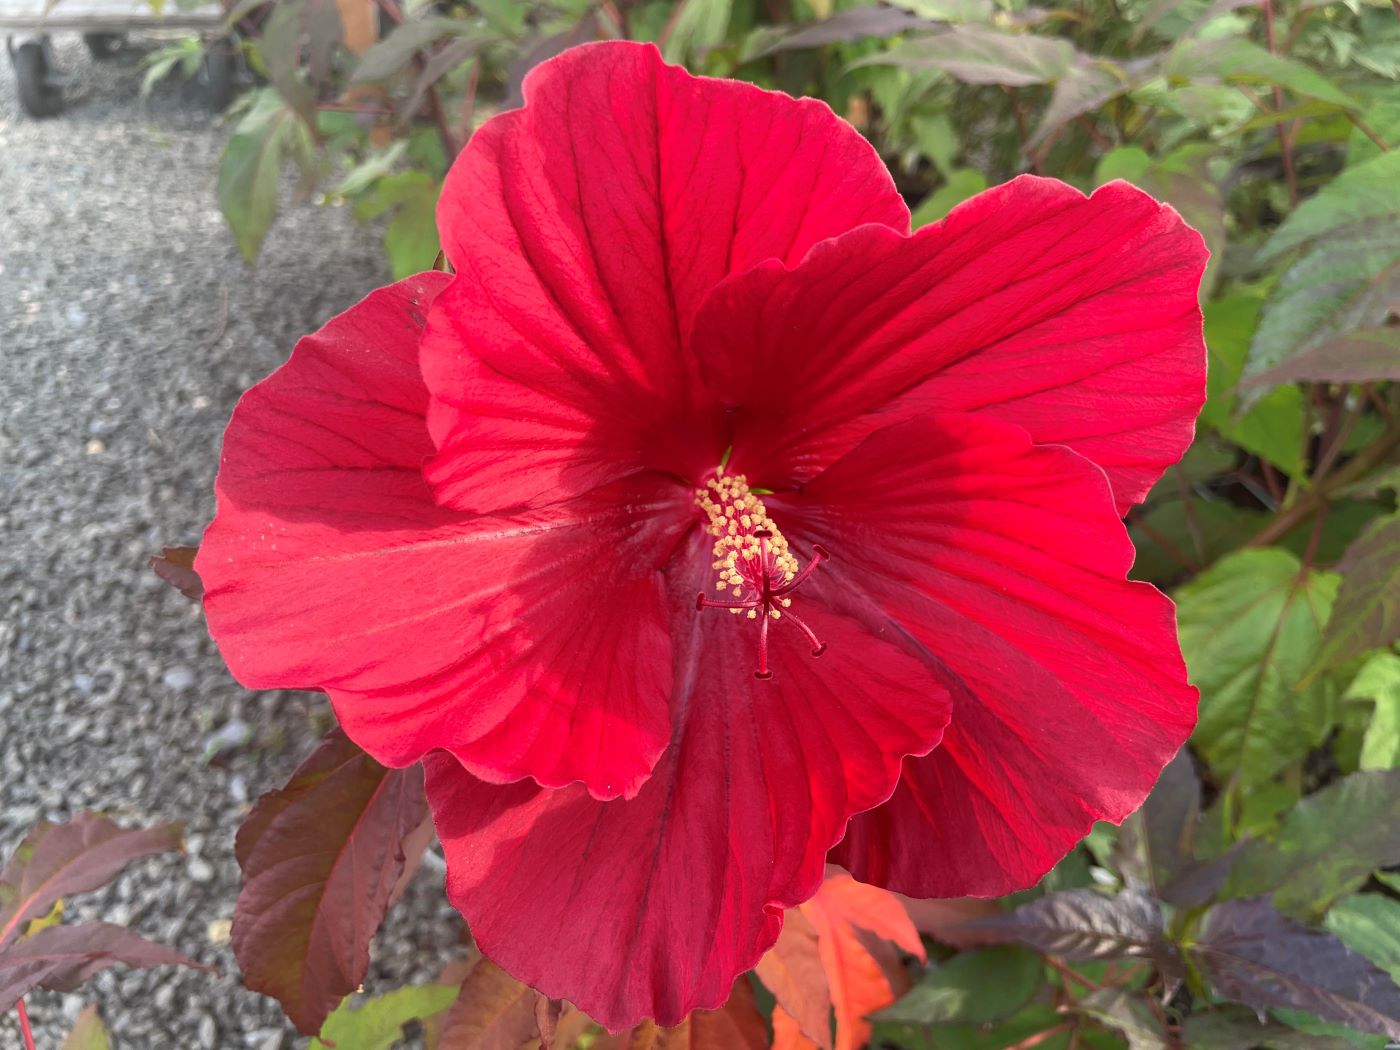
x,y
24,1026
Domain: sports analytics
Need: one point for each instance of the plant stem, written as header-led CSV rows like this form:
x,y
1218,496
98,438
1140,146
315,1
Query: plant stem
x,y
24,1026
1372,456
1285,138
1040,1037
1072,974
1366,129
449,143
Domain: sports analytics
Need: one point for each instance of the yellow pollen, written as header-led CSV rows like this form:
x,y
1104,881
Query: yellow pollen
x,y
734,515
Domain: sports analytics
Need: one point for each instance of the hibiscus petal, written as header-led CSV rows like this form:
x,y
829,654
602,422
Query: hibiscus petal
x,y
1006,561
534,645
585,229
651,907
1075,317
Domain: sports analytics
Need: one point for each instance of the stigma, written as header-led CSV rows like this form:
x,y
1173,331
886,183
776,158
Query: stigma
x,y
757,570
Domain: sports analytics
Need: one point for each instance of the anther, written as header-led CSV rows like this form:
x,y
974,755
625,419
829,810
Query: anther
x,y
754,562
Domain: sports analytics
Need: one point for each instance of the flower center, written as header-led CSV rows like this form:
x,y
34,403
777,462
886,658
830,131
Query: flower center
x,y
757,571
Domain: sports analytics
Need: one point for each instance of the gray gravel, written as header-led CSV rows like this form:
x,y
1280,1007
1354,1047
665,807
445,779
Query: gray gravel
x,y
128,328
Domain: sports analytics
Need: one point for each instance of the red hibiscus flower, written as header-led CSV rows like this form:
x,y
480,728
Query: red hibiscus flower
x,y
673,529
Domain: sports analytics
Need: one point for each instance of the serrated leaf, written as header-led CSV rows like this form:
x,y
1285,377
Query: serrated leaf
x,y
1127,1013
1367,612
1352,357
792,971
979,55
1086,85
252,161
321,860
1378,682
60,958
1359,194
846,26
973,987
377,1024
949,10
1327,846
1234,59
1369,923
397,50
296,45
1251,953
1158,841
88,1032
1084,924
59,860
1347,281
1249,628
1231,1028
175,565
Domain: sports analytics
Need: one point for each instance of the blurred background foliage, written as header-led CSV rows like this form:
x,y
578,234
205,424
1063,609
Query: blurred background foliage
x,y
1265,871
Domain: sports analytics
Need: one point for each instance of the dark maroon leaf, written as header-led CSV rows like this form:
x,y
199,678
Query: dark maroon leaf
x,y
442,62
322,859
176,567
1367,613
844,27
1084,924
56,860
1353,357
544,48
1201,881
61,957
1255,955
1159,840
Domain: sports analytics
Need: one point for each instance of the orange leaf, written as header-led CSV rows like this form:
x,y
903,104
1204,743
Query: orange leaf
x,y
737,1025
792,970
854,924
786,1034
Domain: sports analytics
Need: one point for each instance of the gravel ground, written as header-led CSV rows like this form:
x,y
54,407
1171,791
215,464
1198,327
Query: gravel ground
x,y
128,328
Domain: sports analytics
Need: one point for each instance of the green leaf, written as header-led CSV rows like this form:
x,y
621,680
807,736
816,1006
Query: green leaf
x,y
936,139
1369,923
1085,86
1363,193
378,1023
252,161
1129,1014
411,238
1367,615
1124,162
973,987
949,10
88,1033
961,185
1327,846
397,50
1273,427
1378,681
699,26
1235,60
978,55
1249,627
368,171
1231,1028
